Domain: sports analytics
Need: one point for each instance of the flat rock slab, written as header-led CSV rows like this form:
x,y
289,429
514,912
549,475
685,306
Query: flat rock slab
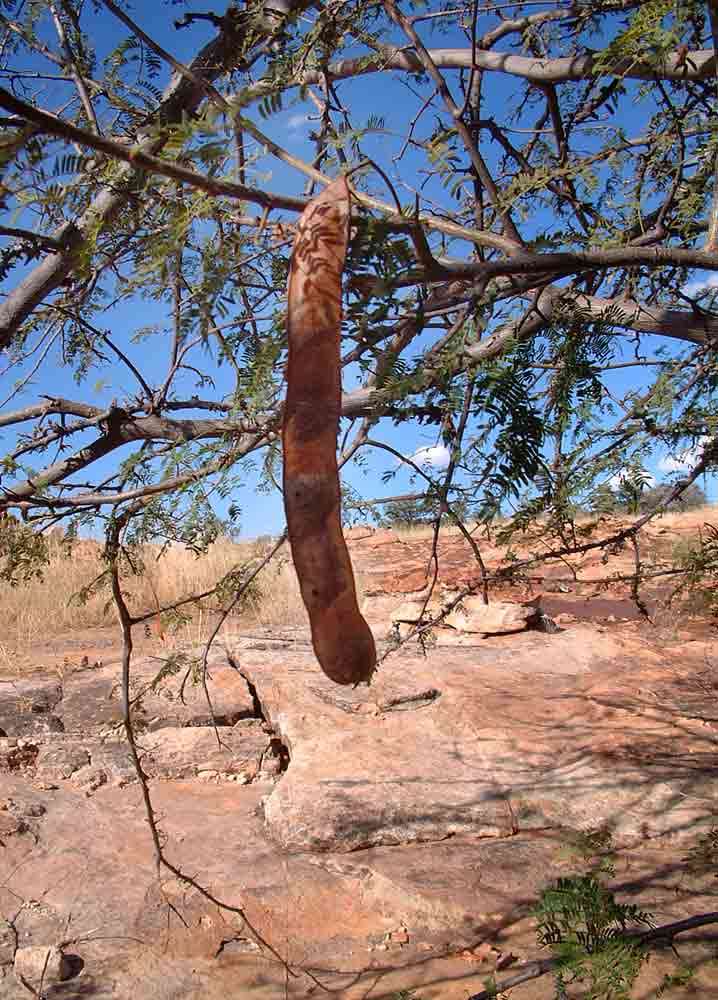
x,y
91,862
225,752
395,915
29,707
92,698
491,740
228,752
445,769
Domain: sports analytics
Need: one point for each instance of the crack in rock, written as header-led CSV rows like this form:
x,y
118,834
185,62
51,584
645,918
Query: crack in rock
x,y
276,758
362,704
258,710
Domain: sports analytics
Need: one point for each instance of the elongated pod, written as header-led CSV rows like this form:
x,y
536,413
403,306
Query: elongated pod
x,y
342,640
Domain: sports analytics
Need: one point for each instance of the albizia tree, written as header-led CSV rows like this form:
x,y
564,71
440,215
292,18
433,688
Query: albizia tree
x,y
533,243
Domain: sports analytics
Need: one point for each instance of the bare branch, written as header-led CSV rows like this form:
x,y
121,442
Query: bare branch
x,y
679,66
43,242
180,98
74,69
53,405
477,160
640,317
571,262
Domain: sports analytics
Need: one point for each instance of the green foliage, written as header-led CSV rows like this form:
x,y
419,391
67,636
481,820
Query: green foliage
x,y
699,559
411,513
237,581
23,552
653,29
582,923
171,666
632,486
683,977
196,529
592,846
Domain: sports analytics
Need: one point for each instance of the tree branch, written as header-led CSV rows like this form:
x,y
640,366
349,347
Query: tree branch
x,y
123,428
712,240
679,66
53,405
45,242
138,158
181,97
640,317
477,160
570,262
74,70
23,498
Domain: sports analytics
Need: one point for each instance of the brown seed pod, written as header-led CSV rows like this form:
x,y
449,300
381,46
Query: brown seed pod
x,y
342,640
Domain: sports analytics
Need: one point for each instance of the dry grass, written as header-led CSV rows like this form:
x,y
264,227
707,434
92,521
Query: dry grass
x,y
40,607
685,520
50,606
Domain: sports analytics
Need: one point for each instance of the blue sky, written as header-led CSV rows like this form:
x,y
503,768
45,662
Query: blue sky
x,y
369,96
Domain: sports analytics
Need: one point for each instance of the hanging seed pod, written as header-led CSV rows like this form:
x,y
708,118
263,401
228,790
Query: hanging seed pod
x,y
342,640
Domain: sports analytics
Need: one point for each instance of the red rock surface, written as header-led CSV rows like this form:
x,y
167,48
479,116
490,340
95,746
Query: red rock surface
x,y
380,839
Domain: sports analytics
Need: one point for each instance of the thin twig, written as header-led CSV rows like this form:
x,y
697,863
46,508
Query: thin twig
x,y
161,861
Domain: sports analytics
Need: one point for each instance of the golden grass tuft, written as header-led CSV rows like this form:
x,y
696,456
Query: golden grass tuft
x,y
49,606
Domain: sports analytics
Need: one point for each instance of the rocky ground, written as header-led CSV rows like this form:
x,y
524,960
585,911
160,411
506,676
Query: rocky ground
x,y
378,839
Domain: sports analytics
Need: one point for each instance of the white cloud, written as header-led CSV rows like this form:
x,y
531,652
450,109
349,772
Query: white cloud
x,y
295,122
694,288
436,456
681,461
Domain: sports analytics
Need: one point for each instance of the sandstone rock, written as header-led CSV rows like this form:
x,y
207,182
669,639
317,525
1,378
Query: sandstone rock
x,y
359,533
496,618
382,537
20,813
10,825
59,762
184,753
471,616
27,707
16,755
93,700
475,761
41,965
8,942
411,612
110,763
